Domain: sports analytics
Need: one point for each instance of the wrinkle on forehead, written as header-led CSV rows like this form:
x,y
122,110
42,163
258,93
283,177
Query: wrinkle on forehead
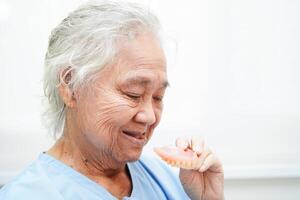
x,y
145,78
140,65
147,63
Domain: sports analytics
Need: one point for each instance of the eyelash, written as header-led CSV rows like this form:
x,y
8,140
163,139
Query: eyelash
x,y
134,96
158,99
137,97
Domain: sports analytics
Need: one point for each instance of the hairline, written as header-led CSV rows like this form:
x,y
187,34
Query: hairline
x,y
143,80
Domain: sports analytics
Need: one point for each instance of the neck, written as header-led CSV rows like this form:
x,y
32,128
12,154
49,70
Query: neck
x,y
67,151
98,164
114,178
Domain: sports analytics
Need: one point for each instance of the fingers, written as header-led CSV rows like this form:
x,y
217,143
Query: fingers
x,y
197,144
182,143
205,158
211,162
206,152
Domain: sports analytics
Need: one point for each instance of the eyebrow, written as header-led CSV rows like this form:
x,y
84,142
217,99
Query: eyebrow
x,y
140,80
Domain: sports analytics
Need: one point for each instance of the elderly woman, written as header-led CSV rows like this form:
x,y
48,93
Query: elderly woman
x,y
105,78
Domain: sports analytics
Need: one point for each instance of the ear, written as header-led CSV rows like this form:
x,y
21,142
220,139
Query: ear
x,y
66,93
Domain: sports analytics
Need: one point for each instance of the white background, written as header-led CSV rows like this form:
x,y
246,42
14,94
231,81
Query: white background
x,y
234,70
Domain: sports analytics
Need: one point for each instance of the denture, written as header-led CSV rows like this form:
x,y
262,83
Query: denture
x,y
177,157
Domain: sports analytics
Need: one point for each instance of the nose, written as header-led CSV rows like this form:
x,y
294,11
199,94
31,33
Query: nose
x,y
146,114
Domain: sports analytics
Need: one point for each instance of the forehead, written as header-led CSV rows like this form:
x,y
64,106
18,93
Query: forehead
x,y
141,61
145,47
145,78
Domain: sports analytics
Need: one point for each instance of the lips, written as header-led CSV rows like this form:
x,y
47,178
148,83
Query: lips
x,y
136,138
135,134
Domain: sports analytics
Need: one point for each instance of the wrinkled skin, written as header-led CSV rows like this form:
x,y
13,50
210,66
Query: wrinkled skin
x,y
126,95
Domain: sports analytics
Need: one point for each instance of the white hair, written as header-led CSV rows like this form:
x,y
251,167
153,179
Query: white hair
x,y
84,43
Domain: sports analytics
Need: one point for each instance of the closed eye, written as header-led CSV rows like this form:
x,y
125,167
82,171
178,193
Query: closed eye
x,y
159,98
134,96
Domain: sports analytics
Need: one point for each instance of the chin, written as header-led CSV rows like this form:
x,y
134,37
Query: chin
x,y
132,156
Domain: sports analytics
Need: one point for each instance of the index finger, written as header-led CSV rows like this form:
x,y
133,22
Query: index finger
x,y
182,143
197,144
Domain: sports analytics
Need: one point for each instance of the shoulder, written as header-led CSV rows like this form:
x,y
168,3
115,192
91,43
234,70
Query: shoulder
x,y
31,183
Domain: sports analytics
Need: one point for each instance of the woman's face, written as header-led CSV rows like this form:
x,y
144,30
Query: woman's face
x,y
117,113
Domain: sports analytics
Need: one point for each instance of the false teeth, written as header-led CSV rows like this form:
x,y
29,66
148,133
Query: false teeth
x,y
177,157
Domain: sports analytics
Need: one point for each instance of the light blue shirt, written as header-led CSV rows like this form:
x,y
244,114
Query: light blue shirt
x,y
49,179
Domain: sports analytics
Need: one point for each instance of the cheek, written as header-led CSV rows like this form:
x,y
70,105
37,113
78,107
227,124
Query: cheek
x,y
107,112
158,114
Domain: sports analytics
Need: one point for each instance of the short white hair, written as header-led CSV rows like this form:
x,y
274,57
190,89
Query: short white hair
x,y
85,42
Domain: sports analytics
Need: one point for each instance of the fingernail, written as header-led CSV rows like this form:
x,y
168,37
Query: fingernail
x,y
198,150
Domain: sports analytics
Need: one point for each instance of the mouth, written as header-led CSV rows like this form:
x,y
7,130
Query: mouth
x,y
135,137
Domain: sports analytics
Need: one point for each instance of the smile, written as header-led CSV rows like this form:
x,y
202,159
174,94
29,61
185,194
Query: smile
x,y
137,138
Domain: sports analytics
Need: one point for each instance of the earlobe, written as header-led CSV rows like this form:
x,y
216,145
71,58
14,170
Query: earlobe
x,y
66,95
65,91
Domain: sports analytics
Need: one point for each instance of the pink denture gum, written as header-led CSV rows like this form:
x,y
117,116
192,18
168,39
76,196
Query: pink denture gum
x,y
177,157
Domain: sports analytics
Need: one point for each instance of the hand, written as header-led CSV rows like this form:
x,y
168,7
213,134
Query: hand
x,y
206,180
